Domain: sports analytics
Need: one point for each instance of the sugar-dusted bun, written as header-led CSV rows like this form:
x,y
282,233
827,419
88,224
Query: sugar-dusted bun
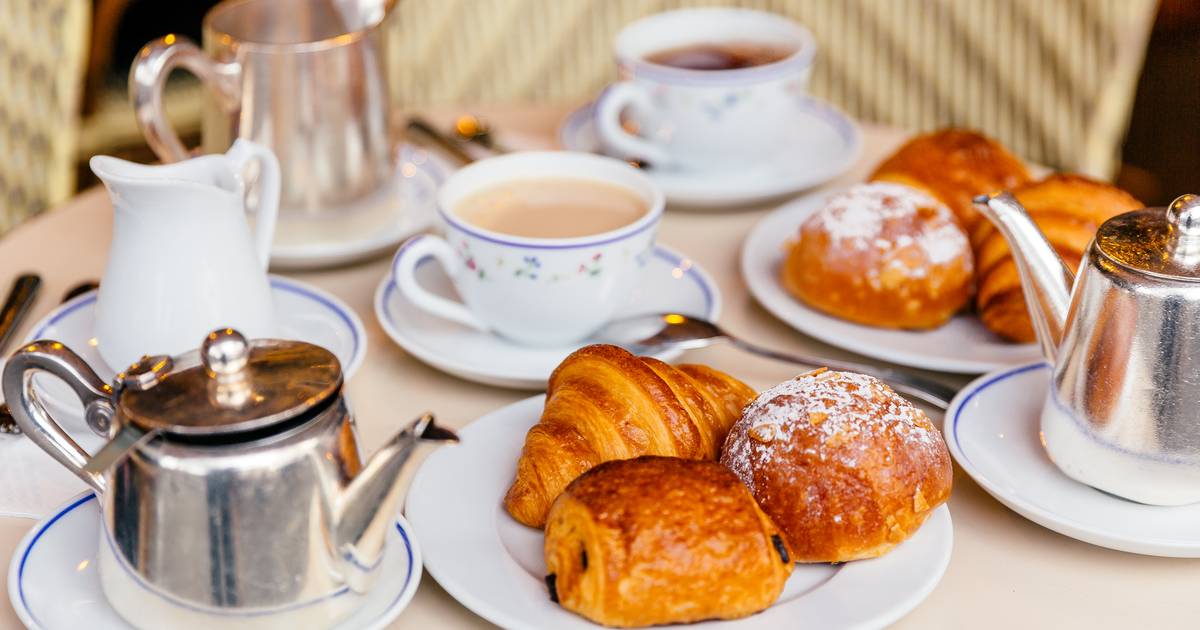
x,y
883,255
842,464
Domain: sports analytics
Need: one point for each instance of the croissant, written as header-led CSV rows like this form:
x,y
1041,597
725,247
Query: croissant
x,y
1068,209
954,165
658,540
604,403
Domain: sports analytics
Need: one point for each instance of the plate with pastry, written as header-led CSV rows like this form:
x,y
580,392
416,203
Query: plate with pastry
x,y
670,282
993,430
635,493
826,143
904,268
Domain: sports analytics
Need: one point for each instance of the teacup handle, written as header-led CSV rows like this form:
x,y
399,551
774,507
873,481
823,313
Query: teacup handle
x,y
404,268
148,75
36,422
612,102
267,210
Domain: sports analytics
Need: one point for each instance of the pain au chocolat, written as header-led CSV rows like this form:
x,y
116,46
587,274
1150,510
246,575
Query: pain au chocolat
x,y
657,540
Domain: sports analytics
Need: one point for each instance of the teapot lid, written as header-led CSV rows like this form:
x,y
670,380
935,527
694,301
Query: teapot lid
x,y
1159,241
229,385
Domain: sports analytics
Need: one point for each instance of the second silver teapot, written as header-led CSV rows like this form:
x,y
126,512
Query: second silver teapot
x,y
1123,411
232,488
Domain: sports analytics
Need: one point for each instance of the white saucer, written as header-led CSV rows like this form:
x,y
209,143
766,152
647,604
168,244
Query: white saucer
x,y
52,580
493,565
405,207
671,283
827,143
963,345
993,431
304,313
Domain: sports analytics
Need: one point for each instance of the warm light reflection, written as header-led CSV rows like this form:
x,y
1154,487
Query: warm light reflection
x,y
677,273
674,318
408,169
169,39
93,342
467,126
82,565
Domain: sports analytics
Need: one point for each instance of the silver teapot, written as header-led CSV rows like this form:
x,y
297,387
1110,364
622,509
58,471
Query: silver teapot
x,y
1123,410
231,487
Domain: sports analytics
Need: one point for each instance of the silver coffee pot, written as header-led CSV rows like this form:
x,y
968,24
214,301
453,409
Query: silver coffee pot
x,y
1123,410
232,481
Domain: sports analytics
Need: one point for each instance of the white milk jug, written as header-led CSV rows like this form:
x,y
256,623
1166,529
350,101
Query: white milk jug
x,y
183,260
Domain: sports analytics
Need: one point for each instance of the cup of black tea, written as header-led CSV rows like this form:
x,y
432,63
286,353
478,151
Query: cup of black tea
x,y
705,88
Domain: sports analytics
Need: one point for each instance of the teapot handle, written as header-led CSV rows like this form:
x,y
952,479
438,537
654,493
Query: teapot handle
x,y
35,421
267,210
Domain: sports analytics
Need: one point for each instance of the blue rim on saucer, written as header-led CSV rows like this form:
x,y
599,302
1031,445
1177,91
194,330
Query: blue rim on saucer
x,y
747,184
1004,455
17,589
351,360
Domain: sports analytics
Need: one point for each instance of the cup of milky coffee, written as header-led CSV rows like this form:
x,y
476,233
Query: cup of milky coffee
x,y
542,246
705,89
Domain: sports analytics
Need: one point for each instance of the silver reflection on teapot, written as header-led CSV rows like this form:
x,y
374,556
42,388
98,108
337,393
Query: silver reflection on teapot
x,y
232,481
1123,411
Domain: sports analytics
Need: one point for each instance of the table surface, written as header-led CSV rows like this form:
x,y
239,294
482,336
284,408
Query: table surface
x,y
1005,571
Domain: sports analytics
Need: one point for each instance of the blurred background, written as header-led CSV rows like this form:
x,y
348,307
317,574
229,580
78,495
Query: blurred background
x,y
1104,87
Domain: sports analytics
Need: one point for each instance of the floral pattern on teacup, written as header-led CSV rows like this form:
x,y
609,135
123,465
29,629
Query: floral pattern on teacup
x,y
530,266
464,252
591,266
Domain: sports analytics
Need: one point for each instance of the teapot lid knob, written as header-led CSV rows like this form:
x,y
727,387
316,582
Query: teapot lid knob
x,y
224,353
1184,214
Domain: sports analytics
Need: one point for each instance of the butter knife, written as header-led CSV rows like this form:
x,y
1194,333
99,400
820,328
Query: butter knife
x,y
16,306
20,299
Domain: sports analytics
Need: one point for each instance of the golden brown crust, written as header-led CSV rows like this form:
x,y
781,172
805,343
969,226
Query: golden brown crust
x,y
604,403
954,165
658,540
883,255
1069,209
842,464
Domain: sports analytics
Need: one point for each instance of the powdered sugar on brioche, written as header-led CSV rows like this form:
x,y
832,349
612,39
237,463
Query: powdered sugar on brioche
x,y
862,218
838,409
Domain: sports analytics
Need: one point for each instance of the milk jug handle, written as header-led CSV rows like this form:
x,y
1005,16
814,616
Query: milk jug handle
x,y
36,423
148,76
267,210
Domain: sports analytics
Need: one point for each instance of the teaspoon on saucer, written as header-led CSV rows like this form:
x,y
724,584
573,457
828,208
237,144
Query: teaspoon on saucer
x,y
647,334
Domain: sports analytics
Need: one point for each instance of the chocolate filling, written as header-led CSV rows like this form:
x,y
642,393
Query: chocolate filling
x,y
550,585
780,547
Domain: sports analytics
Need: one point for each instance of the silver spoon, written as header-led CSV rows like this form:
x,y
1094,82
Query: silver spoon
x,y
647,334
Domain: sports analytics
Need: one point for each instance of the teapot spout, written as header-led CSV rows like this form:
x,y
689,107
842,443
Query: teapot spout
x,y
368,506
1045,278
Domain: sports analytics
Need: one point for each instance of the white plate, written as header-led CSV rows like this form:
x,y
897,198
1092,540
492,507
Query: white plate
x,y
963,345
406,206
53,584
304,313
493,565
993,431
671,282
827,143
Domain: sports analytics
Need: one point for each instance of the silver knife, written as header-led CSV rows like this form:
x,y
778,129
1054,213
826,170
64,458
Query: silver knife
x,y
18,304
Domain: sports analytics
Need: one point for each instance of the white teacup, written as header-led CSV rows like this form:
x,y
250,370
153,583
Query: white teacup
x,y
704,119
534,291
